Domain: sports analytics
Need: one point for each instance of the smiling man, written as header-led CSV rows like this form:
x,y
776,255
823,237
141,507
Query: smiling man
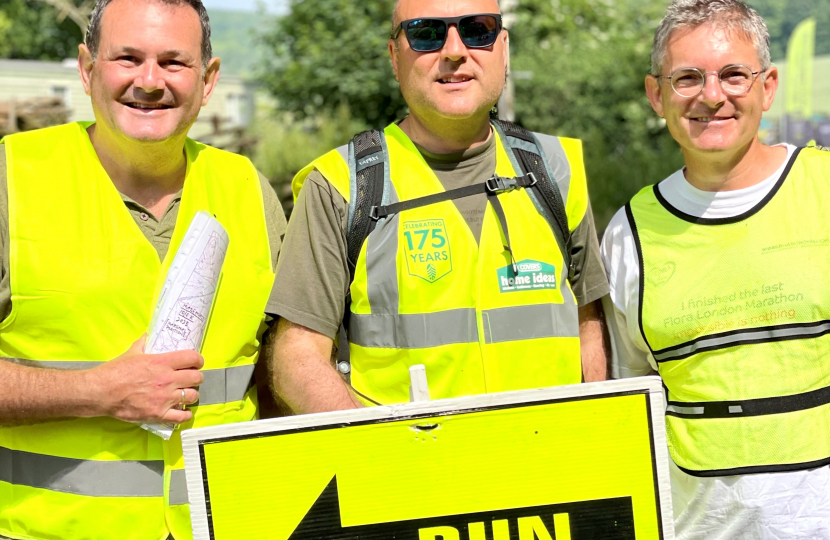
x,y
720,281
480,282
90,217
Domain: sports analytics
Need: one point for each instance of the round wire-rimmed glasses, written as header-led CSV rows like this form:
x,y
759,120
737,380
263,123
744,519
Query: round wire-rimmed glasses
x,y
735,80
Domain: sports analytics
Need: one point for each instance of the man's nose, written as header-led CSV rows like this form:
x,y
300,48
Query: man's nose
x,y
712,92
454,49
150,77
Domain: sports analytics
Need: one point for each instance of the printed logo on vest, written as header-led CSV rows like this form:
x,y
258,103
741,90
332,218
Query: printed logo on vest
x,y
427,249
662,274
532,276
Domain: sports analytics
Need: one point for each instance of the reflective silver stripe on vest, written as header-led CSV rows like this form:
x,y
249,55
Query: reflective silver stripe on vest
x,y
381,267
751,407
220,386
754,335
685,410
178,487
225,385
554,154
422,330
530,322
558,162
414,331
73,365
82,477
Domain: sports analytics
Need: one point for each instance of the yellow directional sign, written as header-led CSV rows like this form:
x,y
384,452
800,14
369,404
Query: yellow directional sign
x,y
580,462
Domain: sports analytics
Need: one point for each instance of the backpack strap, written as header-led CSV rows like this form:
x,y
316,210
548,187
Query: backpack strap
x,y
527,156
369,187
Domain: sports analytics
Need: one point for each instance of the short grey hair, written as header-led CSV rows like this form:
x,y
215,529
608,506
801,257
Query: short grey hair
x,y
731,15
394,22
93,33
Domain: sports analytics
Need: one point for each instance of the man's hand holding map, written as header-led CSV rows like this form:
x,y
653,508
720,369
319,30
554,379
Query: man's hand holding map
x,y
183,309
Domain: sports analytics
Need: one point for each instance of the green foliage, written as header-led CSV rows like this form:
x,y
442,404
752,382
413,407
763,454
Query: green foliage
x,y
5,26
588,60
782,16
328,53
233,37
286,146
35,33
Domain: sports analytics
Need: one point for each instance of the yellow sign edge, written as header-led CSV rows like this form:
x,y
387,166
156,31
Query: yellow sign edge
x,y
652,386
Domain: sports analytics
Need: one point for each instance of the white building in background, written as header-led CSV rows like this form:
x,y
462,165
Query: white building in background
x,y
233,101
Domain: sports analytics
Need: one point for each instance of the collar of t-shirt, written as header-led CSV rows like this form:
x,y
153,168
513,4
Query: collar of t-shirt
x,y
686,198
462,169
464,159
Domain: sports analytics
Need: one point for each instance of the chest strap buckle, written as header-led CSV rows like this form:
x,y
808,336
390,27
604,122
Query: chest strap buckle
x,y
498,184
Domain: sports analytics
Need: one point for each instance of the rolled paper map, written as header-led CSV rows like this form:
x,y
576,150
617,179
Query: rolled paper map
x,y
186,299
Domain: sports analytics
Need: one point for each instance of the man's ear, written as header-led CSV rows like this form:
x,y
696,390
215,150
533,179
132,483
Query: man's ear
x,y
394,49
770,81
654,93
211,78
506,37
85,67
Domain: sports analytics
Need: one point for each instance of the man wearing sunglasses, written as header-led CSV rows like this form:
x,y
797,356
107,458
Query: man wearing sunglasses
x,y
474,287
720,281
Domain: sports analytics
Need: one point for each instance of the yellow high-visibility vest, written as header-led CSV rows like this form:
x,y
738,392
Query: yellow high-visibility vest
x,y
425,292
736,312
84,281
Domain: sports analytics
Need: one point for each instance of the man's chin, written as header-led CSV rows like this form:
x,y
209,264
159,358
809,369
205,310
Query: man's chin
x,y
461,112
714,144
707,141
151,130
150,135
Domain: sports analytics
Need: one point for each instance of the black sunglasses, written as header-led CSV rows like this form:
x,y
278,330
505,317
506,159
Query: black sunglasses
x,y
429,34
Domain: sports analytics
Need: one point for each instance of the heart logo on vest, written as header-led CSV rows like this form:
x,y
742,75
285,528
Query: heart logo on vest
x,y
662,274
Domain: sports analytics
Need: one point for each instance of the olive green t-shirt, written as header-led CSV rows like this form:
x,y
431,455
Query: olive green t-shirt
x,y
313,274
157,231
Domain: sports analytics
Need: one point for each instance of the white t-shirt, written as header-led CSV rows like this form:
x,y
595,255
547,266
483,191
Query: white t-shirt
x,y
776,506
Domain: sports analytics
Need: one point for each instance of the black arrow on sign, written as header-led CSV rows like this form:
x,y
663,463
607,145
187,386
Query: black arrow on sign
x,y
604,519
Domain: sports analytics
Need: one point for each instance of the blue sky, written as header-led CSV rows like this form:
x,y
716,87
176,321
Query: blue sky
x,y
274,6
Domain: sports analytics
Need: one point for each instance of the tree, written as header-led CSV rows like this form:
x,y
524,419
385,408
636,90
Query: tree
x,y
328,53
79,14
5,26
782,16
36,33
580,67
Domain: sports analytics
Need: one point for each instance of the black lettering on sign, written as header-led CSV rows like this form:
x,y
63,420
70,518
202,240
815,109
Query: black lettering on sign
x,y
606,519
